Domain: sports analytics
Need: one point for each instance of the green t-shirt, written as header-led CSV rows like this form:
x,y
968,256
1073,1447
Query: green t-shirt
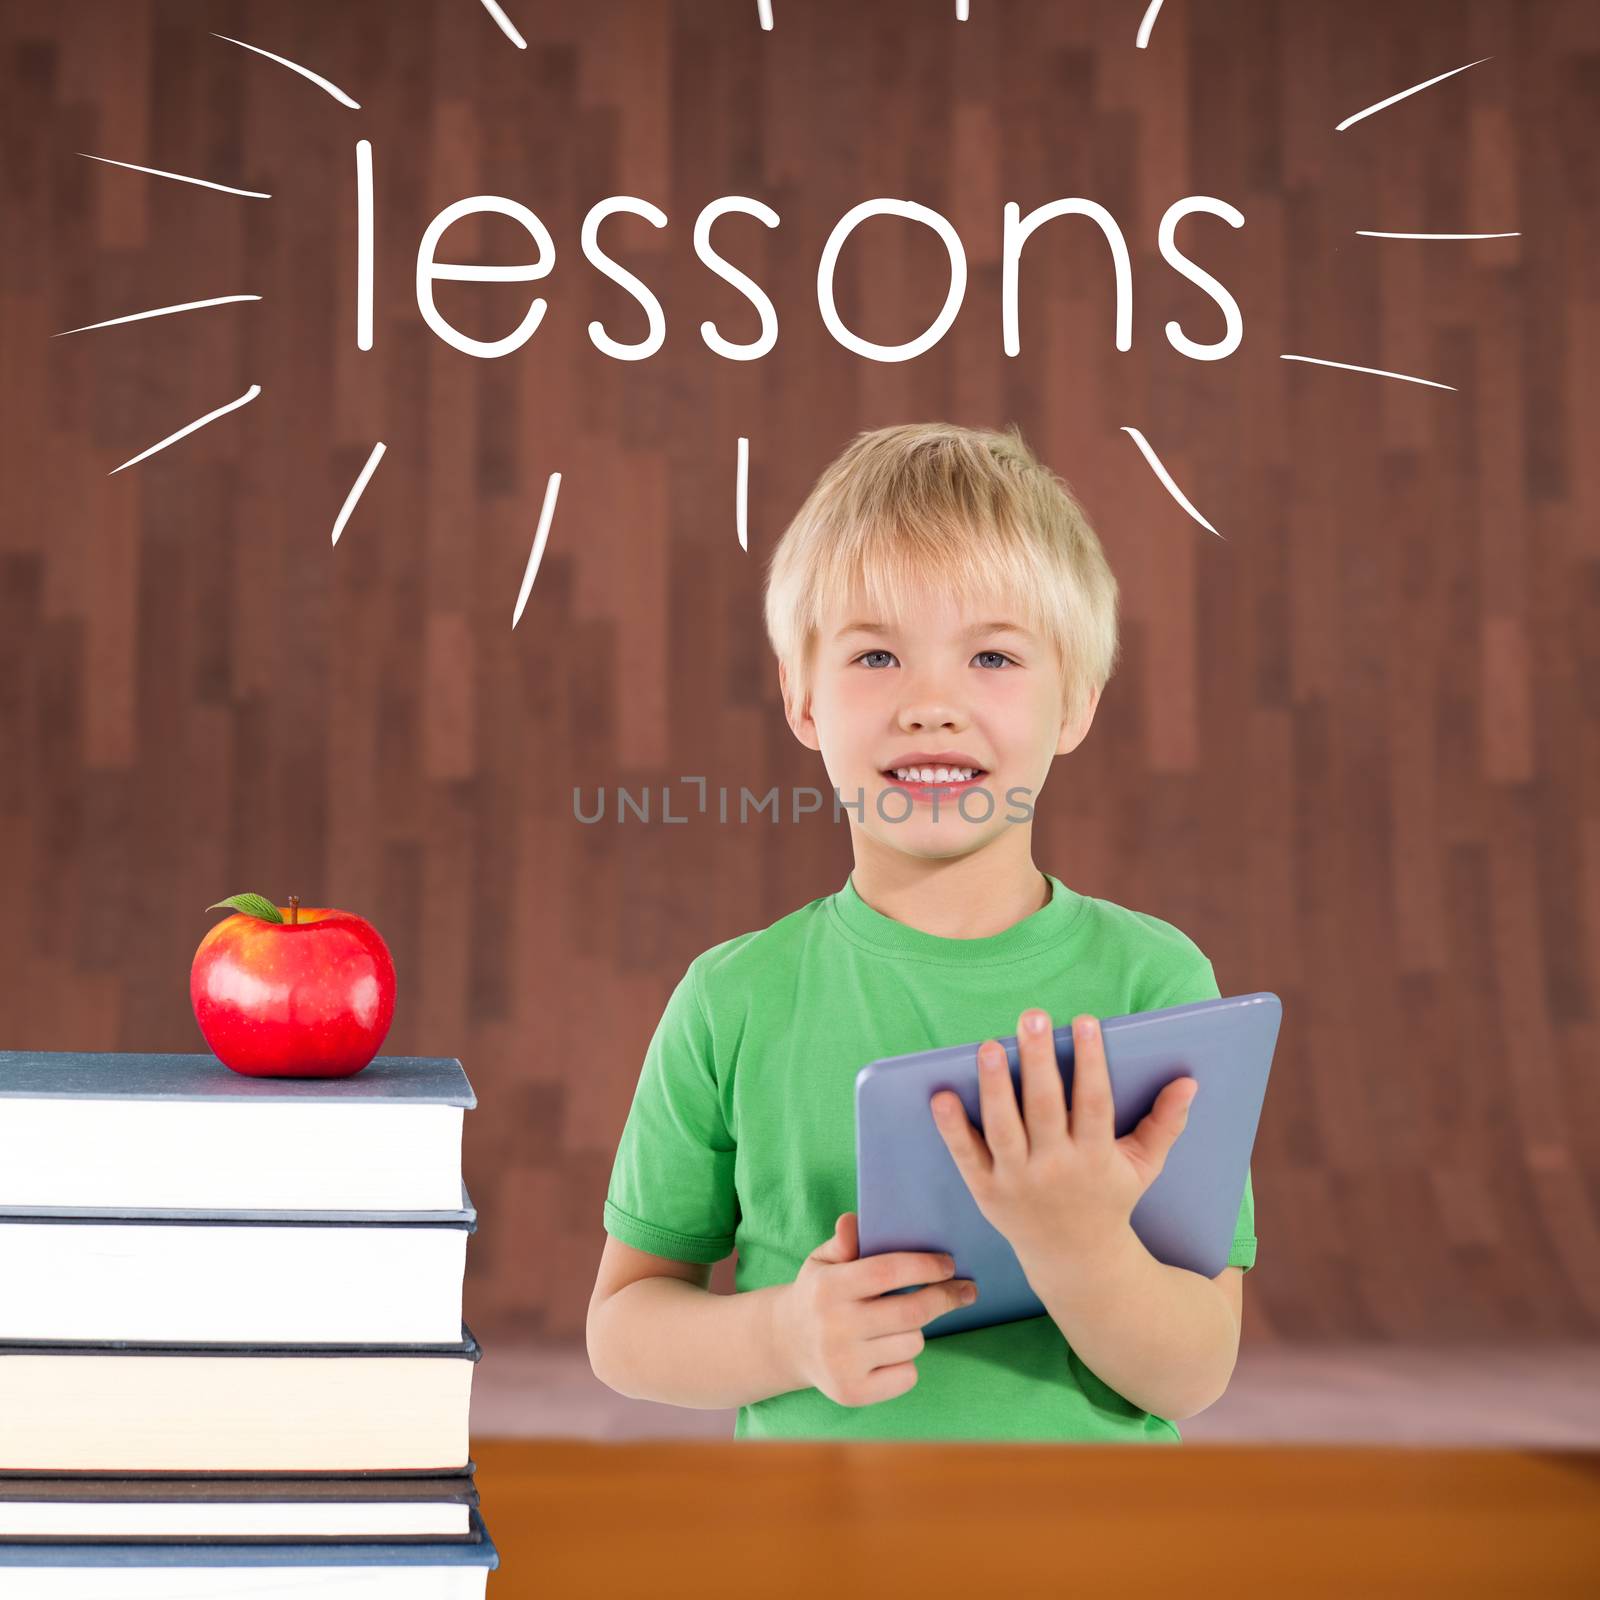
x,y
741,1134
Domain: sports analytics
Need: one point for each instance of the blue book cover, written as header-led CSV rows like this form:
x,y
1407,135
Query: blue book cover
x,y
156,1475
476,1551
455,1488
464,1216
466,1347
198,1075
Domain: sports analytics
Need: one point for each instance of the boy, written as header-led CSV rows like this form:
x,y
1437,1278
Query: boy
x,y
944,622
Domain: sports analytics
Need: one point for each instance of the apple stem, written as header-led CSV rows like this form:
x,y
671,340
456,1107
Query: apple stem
x,y
294,909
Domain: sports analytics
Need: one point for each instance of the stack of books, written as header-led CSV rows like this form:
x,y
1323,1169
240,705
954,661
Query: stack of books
x,y
231,1332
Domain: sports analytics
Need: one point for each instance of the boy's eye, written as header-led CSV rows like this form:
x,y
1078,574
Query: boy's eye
x,y
998,654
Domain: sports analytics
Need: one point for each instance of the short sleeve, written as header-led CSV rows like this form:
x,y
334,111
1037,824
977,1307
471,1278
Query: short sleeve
x,y
671,1189
1242,1252
1200,983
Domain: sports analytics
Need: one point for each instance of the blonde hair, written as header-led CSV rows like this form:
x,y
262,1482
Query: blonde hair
x,y
932,504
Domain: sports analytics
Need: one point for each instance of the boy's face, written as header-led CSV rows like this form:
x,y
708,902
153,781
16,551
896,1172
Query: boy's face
x,y
969,678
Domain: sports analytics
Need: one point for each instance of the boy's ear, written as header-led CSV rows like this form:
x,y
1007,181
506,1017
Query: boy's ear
x,y
800,722
1074,730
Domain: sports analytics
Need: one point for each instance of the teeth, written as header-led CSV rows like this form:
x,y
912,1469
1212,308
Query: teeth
x,y
934,774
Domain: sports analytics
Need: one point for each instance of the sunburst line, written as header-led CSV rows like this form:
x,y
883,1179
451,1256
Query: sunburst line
x,y
741,495
205,183
199,422
158,311
1372,233
1379,372
356,488
294,66
1414,89
364,212
552,488
764,13
505,24
1166,478
1147,22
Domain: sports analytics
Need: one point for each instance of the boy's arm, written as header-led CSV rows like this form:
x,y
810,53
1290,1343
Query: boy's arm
x,y
656,1332
1161,1336
1230,1282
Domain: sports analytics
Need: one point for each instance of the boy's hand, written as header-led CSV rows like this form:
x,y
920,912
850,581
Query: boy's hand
x,y
1057,1192
842,1332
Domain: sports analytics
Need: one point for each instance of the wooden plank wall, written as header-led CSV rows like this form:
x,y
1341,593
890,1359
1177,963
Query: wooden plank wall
x,y
1354,745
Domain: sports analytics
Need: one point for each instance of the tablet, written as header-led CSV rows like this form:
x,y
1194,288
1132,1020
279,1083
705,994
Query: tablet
x,y
910,1194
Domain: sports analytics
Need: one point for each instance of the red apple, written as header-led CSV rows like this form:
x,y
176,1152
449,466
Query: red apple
x,y
309,994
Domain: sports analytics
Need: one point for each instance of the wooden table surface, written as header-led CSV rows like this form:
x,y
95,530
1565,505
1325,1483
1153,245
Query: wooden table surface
x,y
769,1517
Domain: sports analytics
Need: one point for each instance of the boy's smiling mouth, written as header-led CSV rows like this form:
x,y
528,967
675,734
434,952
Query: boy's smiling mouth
x,y
946,772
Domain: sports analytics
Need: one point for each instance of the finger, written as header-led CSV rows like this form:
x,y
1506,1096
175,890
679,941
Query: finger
x,y
961,1139
997,1100
843,1244
886,1383
896,1313
1044,1098
1092,1118
849,1232
887,1349
1158,1132
900,1269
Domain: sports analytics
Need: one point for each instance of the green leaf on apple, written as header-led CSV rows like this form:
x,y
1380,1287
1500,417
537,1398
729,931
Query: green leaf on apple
x,y
252,905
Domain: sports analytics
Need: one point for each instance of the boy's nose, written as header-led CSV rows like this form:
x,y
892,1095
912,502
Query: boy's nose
x,y
928,703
